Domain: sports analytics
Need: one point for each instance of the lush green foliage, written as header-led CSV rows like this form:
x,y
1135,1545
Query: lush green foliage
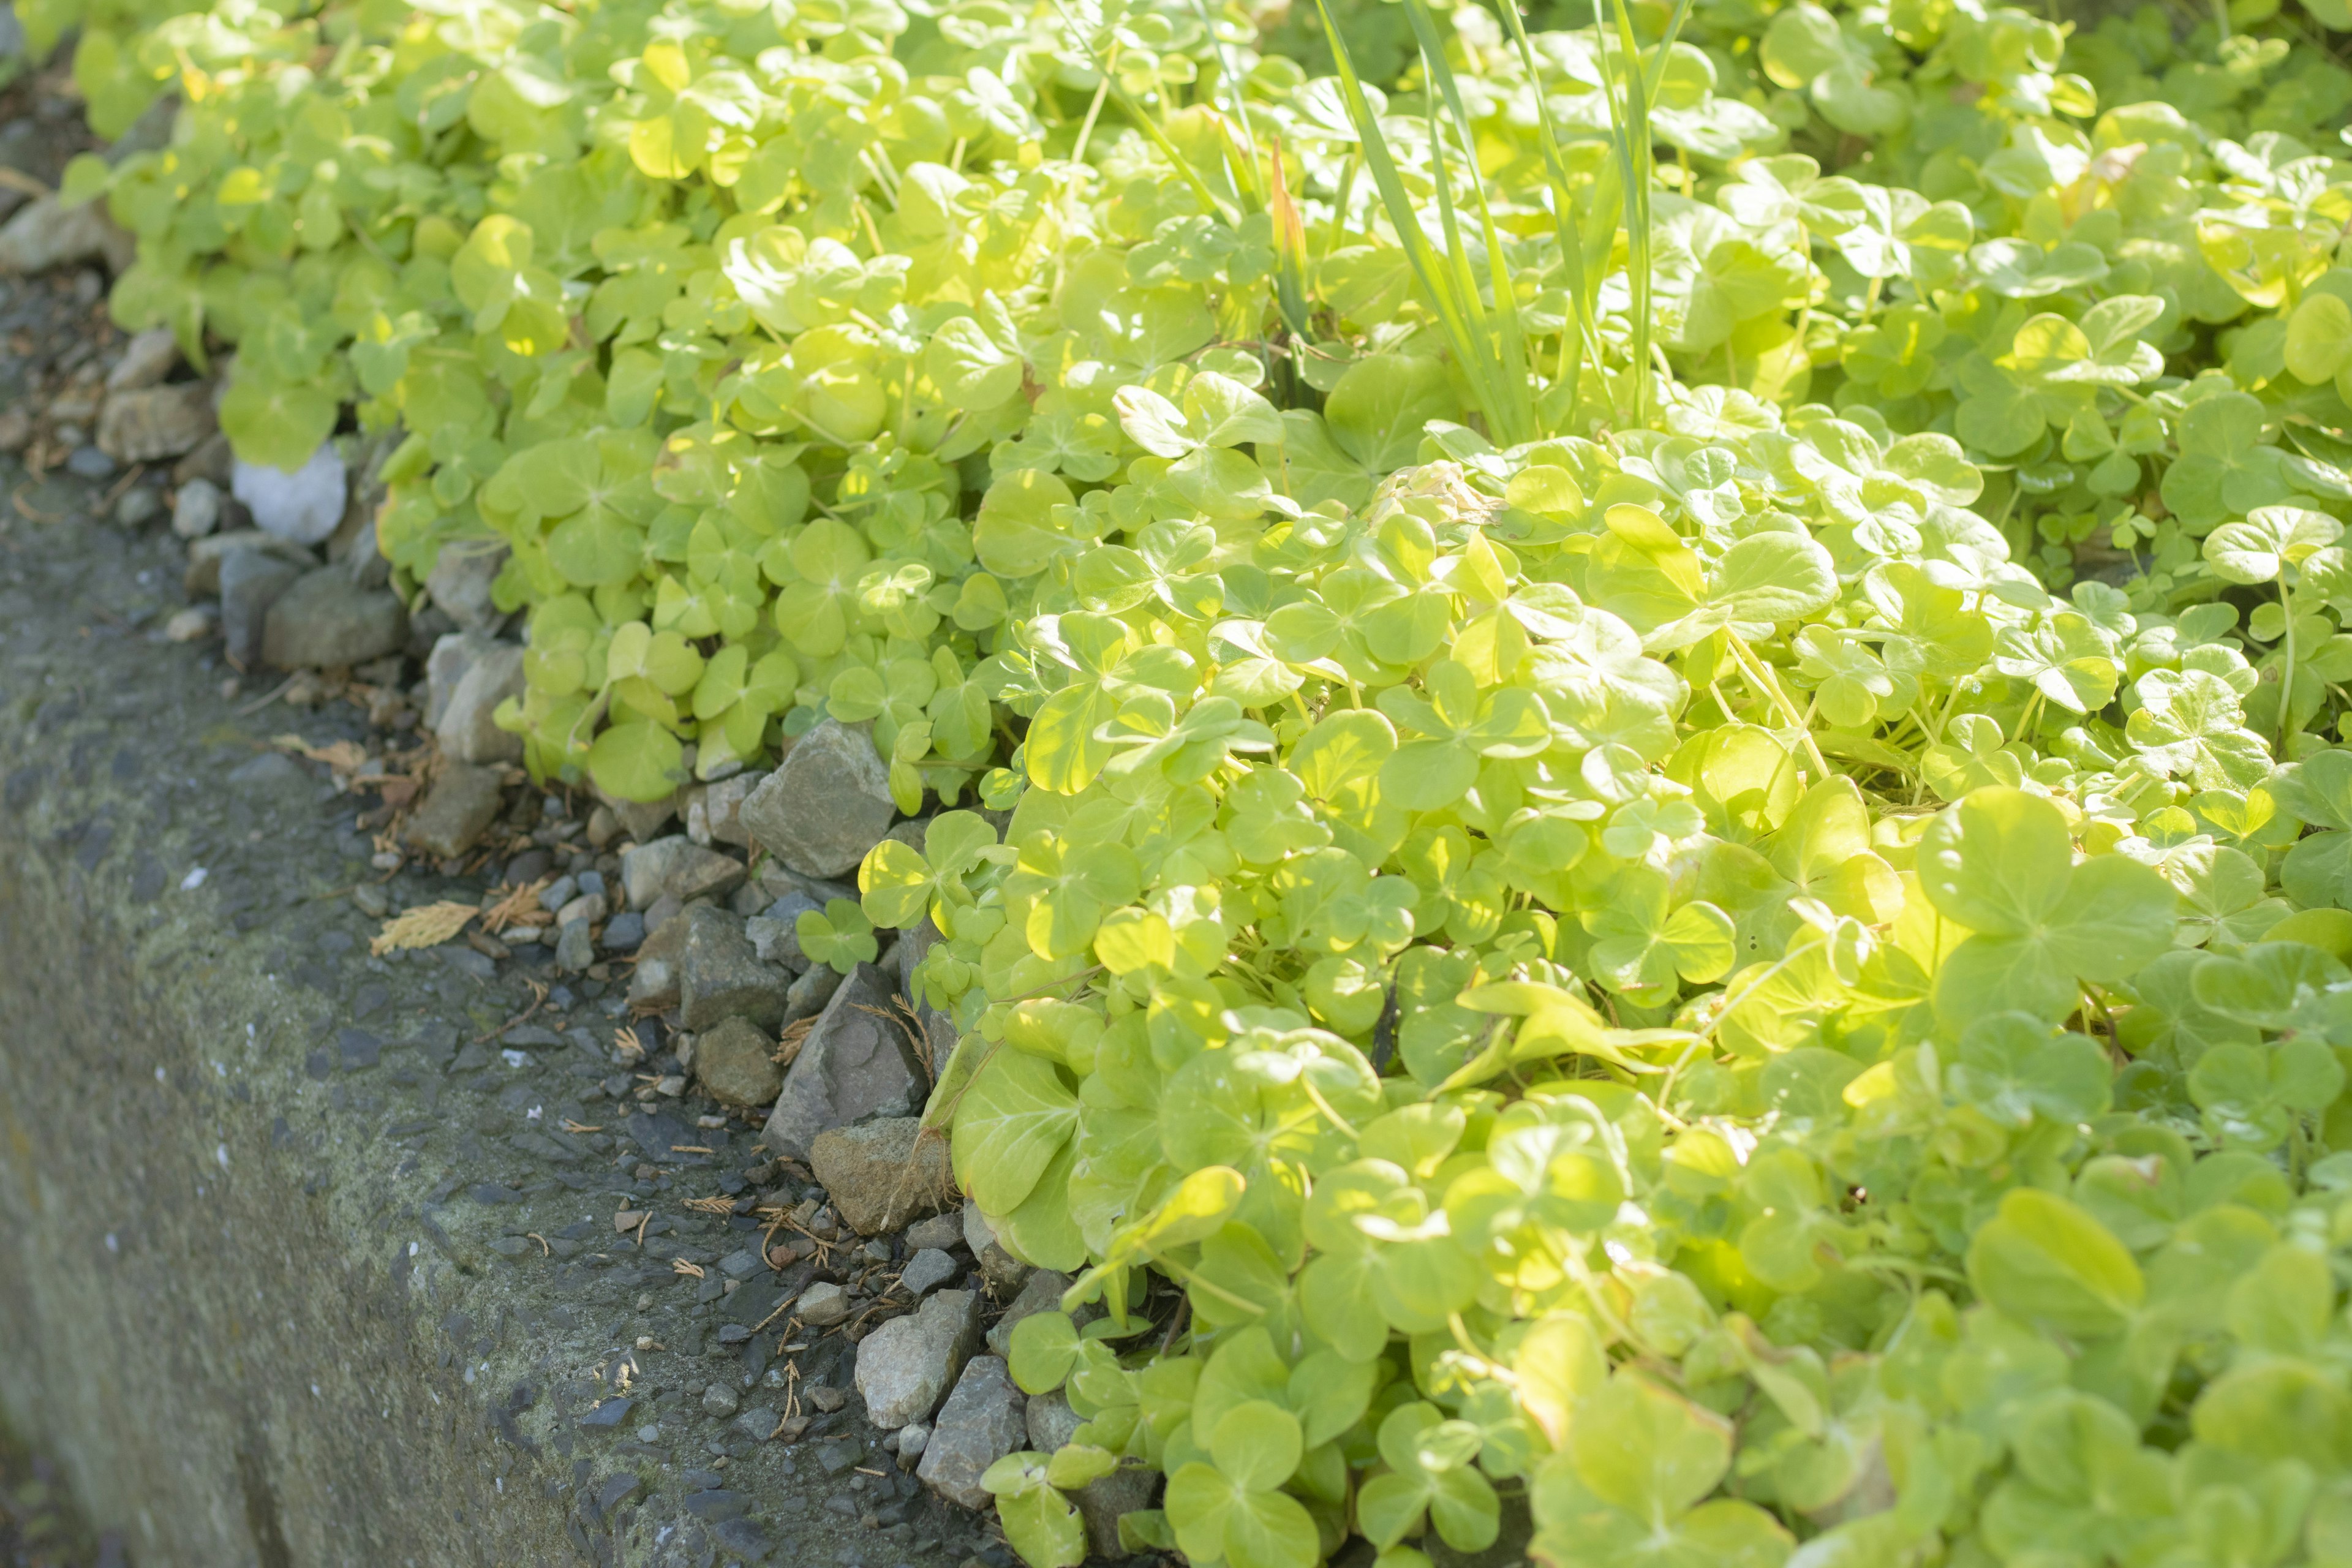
x,y
1675,840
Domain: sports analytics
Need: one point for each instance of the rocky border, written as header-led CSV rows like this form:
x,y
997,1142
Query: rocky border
x,y
600,1230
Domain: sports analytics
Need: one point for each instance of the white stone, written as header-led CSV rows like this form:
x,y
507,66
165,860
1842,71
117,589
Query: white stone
x,y
304,506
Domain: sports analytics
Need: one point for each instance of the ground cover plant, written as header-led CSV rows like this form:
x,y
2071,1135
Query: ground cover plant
x,y
1631,722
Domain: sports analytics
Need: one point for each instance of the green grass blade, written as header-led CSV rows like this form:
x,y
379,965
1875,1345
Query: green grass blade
x,y
1474,356
1509,330
1582,334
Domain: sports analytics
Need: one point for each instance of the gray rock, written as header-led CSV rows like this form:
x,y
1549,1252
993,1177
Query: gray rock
x,y
89,463
979,1236
215,461
783,883
196,509
268,769
1003,1270
940,1232
250,583
775,931
680,868
882,1174
46,233
653,984
903,1366
326,621
758,1424
822,1305
1041,1293
139,506
155,422
446,666
206,558
812,992
912,1437
926,1271
467,727
576,947
740,1264
457,810
856,1062
826,806
982,1422
625,933
719,1401
735,1064
714,814
720,977
641,819
1051,1421
588,908
145,360
304,506
459,582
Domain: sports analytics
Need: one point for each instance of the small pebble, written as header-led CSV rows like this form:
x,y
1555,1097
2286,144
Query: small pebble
x,y
372,899
139,507
89,463
193,624
197,509
719,1401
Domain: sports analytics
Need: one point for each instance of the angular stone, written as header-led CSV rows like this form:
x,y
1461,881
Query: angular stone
x,y
304,506
206,557
1003,1270
155,422
855,1062
826,806
814,988
735,1064
903,1366
468,727
720,976
1041,1293
46,233
881,1174
459,582
714,814
983,1421
641,819
328,621
457,810
775,931
453,655
250,583
196,509
822,1305
576,947
653,984
925,1271
979,1236
1051,1421
680,868
145,360
939,1232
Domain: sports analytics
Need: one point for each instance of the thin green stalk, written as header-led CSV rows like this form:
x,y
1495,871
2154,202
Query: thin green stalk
x,y
1581,328
2287,676
1509,329
1470,352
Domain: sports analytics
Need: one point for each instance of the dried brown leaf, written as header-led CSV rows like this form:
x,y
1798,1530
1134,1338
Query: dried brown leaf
x,y
427,925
